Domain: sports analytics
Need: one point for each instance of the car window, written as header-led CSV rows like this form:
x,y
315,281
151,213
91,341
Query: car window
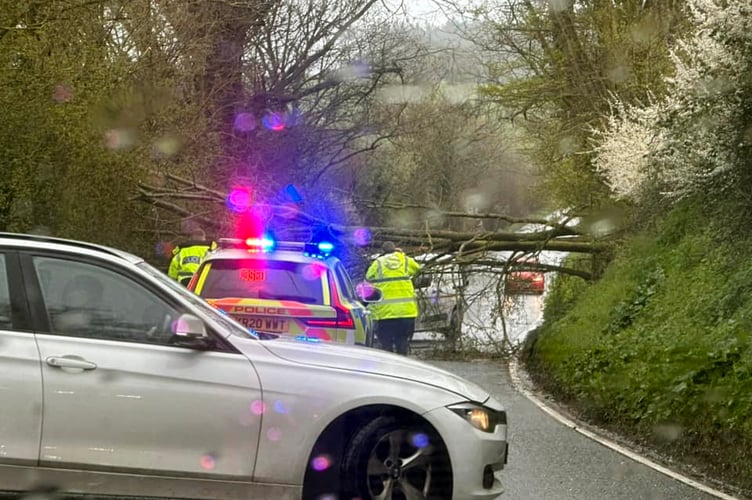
x,y
262,279
85,300
6,319
216,314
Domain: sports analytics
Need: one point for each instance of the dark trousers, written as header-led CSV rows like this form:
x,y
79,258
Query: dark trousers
x,y
394,334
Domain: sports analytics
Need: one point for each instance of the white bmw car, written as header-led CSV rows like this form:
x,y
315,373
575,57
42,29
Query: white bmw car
x,y
118,381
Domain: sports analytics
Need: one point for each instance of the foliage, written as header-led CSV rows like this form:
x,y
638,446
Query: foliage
x,y
58,175
696,139
660,347
566,289
450,154
558,64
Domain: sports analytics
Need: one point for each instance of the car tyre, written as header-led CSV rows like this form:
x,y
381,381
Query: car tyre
x,y
391,459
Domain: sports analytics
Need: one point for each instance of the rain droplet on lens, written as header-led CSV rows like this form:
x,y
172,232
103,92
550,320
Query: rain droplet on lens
x,y
245,122
668,431
166,146
258,407
62,93
208,461
274,434
420,440
321,463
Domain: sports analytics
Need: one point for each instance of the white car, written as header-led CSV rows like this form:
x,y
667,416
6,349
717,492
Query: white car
x,y
437,288
118,381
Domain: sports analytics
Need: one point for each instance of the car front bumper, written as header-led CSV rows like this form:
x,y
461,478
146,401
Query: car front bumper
x,y
477,457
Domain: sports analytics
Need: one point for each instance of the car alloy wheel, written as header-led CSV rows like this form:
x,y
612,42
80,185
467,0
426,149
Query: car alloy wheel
x,y
389,460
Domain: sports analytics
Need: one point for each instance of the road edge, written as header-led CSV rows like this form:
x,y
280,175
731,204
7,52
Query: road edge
x,y
519,386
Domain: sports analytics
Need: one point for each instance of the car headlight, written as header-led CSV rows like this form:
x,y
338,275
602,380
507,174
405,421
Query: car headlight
x,y
480,417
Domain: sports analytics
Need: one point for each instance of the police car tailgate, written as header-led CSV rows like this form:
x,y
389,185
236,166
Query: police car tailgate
x,y
282,317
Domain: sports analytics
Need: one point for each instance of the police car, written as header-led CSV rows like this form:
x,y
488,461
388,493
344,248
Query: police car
x,y
283,288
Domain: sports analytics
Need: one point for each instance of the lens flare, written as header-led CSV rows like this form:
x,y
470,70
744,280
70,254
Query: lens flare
x,y
239,200
62,93
274,121
245,122
314,271
258,407
281,407
165,147
118,139
274,434
293,194
208,462
420,440
293,117
362,236
321,463
164,249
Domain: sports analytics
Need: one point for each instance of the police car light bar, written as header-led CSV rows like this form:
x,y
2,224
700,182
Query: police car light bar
x,y
320,250
265,244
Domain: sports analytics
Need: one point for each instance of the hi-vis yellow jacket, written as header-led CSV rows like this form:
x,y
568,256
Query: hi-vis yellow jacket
x,y
186,259
392,273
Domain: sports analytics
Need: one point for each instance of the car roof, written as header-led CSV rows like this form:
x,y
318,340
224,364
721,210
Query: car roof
x,y
36,241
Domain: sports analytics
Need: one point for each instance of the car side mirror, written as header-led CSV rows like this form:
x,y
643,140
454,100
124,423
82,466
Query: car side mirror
x,y
189,331
189,326
368,293
421,281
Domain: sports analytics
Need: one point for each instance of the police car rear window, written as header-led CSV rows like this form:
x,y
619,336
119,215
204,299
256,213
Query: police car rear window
x,y
264,279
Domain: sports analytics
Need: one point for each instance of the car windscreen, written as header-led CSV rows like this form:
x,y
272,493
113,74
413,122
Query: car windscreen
x,y
264,279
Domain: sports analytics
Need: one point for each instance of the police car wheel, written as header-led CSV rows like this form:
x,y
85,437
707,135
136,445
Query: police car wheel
x,y
395,459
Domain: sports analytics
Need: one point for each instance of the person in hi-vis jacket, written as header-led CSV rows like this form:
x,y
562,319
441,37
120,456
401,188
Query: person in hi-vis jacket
x,y
395,314
188,256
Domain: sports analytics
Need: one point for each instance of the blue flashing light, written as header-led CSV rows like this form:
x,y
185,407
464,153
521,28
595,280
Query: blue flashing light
x,y
293,193
319,250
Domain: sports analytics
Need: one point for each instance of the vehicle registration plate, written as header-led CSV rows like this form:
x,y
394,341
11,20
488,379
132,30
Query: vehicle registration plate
x,y
264,323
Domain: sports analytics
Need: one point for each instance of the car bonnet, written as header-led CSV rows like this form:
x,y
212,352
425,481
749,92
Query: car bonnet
x,y
369,360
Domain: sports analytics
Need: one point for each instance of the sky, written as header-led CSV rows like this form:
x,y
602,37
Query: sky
x,y
418,10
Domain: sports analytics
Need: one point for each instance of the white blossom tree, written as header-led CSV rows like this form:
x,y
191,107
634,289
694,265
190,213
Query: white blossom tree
x,y
698,137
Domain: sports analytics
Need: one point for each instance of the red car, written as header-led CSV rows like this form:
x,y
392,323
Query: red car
x,y
525,281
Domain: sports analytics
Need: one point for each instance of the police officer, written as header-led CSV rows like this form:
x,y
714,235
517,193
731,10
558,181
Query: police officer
x,y
395,314
188,256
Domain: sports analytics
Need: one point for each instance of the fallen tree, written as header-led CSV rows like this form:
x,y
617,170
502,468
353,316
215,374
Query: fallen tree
x,y
207,207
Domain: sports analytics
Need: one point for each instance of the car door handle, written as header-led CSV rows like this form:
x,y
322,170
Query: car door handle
x,y
70,362
367,312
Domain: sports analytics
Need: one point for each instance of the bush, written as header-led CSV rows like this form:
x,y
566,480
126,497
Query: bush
x,y
661,346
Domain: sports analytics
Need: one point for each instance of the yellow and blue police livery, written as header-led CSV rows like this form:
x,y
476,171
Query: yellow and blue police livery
x,y
285,288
